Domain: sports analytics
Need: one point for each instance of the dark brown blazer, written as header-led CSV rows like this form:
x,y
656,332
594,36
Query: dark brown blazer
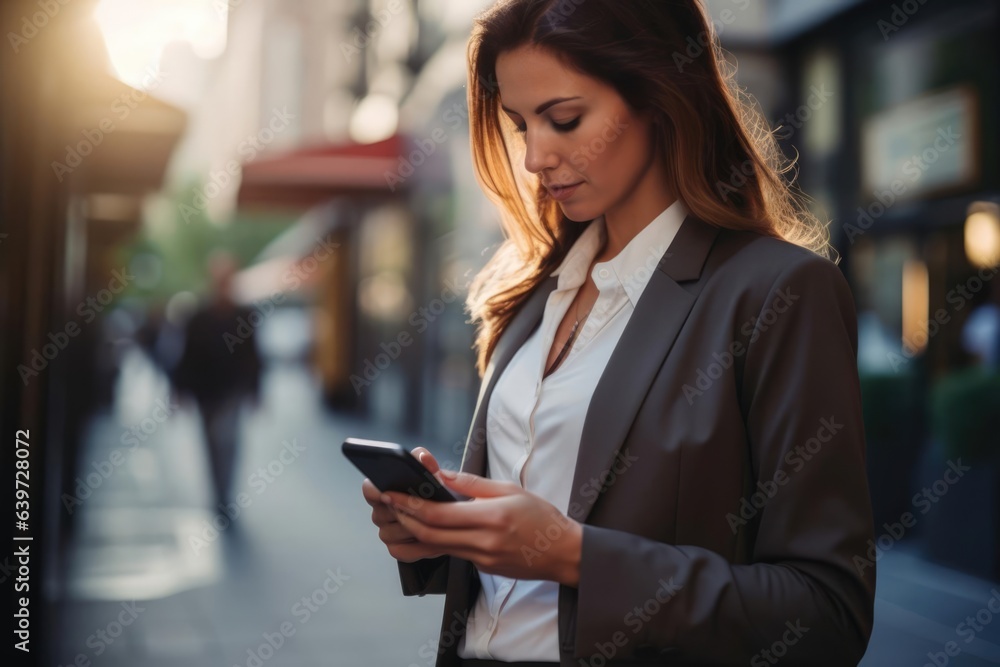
x,y
721,476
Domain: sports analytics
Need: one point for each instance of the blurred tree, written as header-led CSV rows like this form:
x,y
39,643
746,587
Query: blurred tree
x,y
180,234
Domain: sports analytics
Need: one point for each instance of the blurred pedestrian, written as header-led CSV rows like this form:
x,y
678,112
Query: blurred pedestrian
x,y
981,332
217,372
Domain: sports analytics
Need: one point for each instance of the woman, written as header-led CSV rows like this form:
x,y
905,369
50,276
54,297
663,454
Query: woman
x,y
667,461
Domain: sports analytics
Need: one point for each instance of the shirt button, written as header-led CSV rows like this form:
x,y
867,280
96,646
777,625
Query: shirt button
x,y
603,273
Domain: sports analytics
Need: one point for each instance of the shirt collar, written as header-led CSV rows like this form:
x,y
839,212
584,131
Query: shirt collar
x,y
632,267
581,254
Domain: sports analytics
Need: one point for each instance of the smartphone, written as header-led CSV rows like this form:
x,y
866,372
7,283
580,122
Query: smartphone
x,y
390,467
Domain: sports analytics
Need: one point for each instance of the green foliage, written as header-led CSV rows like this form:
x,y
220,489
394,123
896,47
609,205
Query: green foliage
x,y
965,415
888,402
180,234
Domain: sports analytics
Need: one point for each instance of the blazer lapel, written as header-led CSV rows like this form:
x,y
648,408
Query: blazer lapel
x,y
644,344
647,338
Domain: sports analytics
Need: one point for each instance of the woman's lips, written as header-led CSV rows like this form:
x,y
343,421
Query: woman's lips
x,y
563,193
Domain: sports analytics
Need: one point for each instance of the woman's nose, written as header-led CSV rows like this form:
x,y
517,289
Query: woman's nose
x,y
539,154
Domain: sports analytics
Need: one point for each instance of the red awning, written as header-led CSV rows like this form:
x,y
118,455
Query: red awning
x,y
308,176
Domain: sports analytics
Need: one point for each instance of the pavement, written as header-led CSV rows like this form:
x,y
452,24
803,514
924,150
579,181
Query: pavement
x,y
296,575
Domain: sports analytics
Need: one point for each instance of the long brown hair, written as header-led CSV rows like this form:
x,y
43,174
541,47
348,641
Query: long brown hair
x,y
723,159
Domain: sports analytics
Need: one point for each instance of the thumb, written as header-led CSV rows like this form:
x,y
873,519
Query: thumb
x,y
426,459
476,486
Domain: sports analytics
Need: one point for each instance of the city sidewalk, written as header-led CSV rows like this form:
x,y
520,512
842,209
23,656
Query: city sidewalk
x,y
921,612
299,576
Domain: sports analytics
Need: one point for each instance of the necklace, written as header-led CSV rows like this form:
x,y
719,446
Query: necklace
x,y
569,341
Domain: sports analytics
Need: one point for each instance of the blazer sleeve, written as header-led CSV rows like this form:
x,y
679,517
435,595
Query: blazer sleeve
x,y
807,594
425,576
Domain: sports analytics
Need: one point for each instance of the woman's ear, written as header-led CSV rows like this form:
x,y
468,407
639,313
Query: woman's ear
x,y
654,121
656,118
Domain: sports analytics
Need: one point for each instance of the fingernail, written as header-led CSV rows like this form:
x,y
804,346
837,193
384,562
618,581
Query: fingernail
x,y
385,498
450,474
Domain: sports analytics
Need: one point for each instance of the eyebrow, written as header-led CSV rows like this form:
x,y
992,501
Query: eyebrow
x,y
545,105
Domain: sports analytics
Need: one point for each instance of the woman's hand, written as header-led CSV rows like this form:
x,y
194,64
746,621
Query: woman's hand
x,y
503,530
402,544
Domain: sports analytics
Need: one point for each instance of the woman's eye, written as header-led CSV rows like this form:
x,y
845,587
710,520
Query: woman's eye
x,y
561,127
567,127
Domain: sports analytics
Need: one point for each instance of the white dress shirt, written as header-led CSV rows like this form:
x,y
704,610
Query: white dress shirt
x,y
534,426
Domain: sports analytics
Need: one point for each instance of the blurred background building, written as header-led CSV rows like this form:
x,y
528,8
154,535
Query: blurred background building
x,y
325,146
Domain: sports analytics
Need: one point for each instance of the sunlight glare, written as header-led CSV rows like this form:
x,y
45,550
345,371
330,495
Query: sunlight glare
x,y
136,32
